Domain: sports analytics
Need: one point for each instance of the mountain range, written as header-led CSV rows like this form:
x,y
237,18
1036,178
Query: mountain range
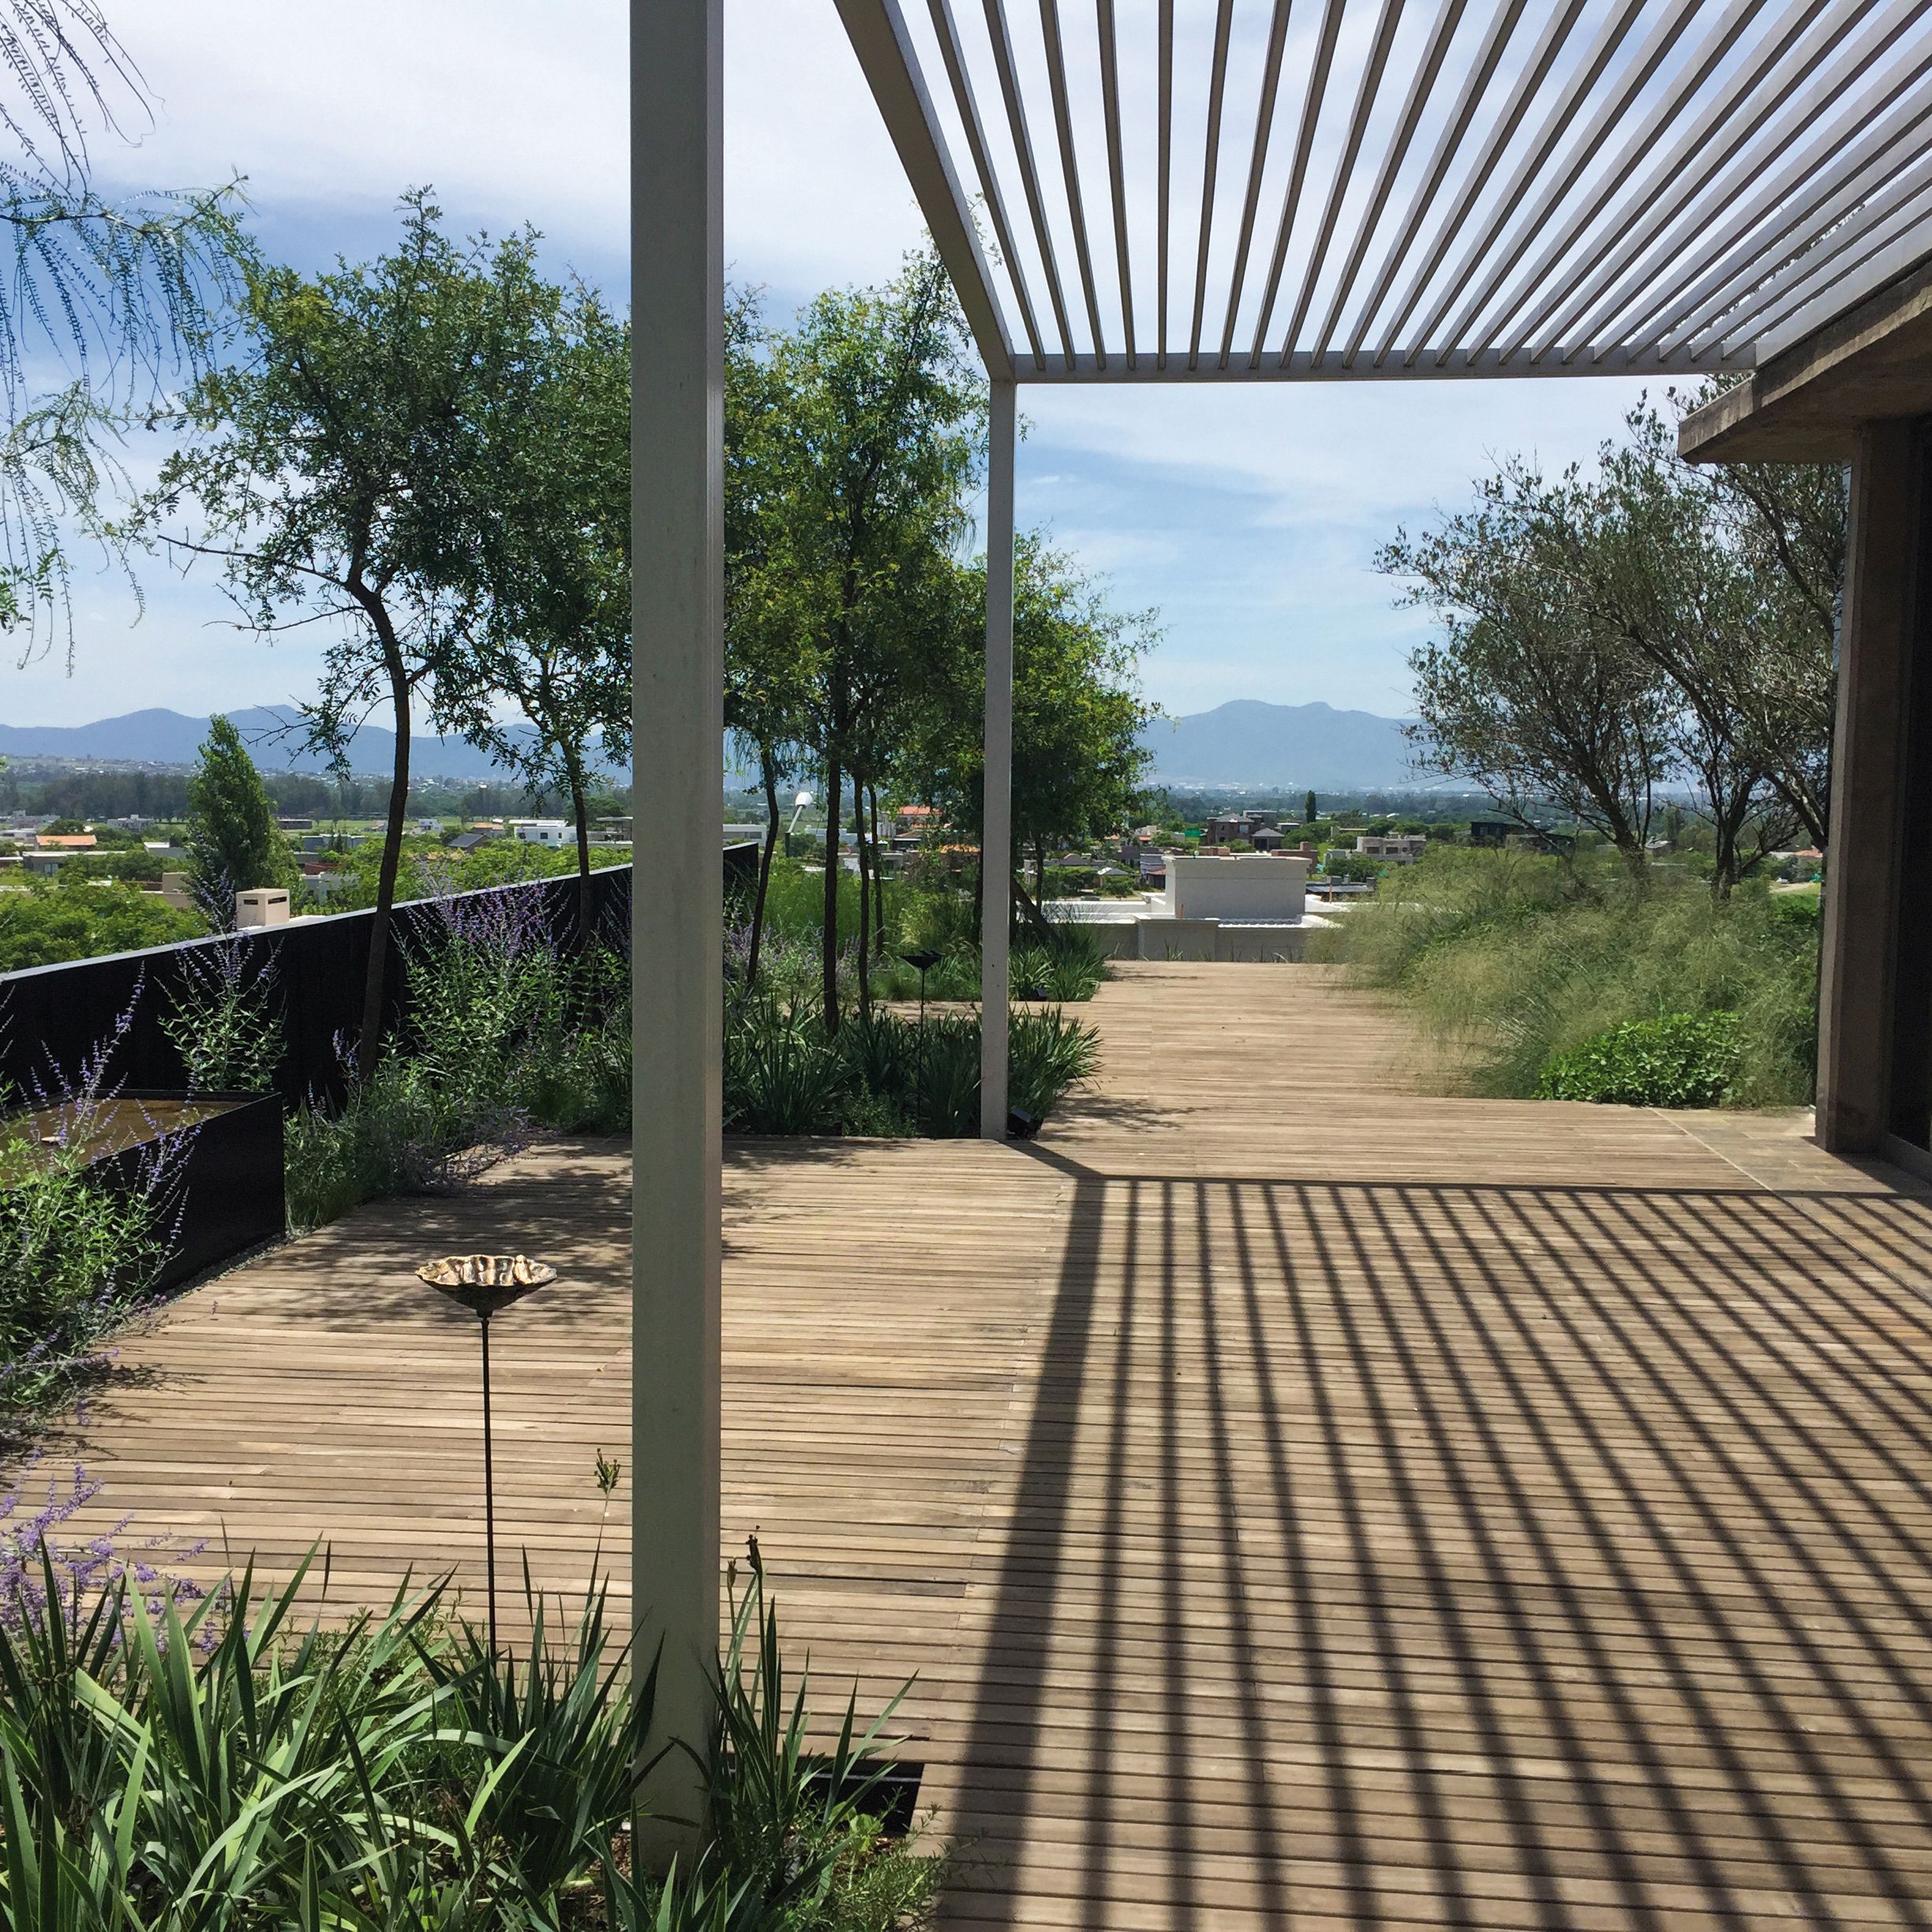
x,y
272,733
1245,742
1248,741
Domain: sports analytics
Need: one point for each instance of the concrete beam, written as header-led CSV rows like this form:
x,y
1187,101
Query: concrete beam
x,y
1870,774
996,816
1874,365
677,967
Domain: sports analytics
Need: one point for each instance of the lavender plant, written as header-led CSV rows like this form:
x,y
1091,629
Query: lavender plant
x,y
76,1254
224,1019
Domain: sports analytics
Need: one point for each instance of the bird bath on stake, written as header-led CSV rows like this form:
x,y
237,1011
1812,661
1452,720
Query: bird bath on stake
x,y
484,1284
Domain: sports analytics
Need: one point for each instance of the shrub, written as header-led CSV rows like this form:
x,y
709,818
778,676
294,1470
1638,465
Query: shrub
x,y
77,1252
1684,1060
222,1019
782,1073
506,1029
884,1075
398,1132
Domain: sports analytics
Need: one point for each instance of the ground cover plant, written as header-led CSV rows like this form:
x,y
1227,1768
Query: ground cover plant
x,y
1682,1060
189,1764
1532,968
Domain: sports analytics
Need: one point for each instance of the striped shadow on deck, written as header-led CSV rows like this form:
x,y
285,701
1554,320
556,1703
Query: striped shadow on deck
x,y
1491,1556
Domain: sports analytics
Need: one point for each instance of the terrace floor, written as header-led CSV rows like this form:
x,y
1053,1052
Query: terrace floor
x,y
1304,1500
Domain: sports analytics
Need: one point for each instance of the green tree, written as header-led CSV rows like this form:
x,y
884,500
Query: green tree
x,y
1527,691
767,662
1642,623
1078,715
852,468
1308,809
233,842
555,634
345,472
106,305
51,922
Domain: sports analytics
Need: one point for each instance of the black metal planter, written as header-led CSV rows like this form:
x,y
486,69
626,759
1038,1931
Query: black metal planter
x,y
218,1157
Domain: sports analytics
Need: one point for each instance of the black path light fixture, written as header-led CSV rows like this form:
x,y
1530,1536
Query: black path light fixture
x,y
485,1284
922,962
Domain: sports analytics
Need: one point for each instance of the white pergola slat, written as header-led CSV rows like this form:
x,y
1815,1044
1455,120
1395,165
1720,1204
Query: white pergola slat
x,y
1565,186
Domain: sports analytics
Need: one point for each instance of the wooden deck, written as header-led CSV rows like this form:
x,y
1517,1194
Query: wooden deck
x,y
1305,1501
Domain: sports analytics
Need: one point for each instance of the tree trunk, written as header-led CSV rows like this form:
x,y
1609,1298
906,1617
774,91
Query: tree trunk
x,y
829,939
1042,926
1039,869
580,810
769,774
879,883
865,901
369,1045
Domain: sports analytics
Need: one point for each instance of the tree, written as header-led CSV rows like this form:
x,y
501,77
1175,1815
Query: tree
x,y
767,662
233,842
106,305
1702,605
555,637
1527,692
1308,809
345,473
850,476
1077,758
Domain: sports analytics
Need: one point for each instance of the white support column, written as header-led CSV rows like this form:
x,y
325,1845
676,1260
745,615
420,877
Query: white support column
x,y
677,290
996,845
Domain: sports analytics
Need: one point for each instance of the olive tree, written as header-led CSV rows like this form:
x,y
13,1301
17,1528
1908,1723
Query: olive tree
x,y
343,472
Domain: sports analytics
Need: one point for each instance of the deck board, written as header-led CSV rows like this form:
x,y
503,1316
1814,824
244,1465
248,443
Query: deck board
x,y
1304,1498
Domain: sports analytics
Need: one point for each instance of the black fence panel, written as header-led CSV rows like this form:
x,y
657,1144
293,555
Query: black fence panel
x,y
54,1018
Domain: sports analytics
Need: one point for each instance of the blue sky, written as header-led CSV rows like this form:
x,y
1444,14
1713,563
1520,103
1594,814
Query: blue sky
x,y
1249,516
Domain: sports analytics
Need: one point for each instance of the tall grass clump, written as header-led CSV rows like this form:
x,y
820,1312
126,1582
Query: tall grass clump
x,y
1512,959
189,1764
884,1075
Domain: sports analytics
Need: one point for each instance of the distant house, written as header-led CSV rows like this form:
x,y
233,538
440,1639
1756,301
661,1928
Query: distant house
x,y
1396,848
1236,828
1494,832
65,841
296,824
911,824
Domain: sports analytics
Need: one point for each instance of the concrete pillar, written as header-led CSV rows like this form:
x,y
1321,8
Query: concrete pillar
x,y
1871,759
677,613
996,845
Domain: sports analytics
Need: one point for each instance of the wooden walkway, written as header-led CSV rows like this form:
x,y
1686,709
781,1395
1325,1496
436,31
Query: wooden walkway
x,y
1305,1501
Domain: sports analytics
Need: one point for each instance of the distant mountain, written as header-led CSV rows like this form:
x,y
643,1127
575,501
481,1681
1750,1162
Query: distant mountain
x,y
271,732
1247,742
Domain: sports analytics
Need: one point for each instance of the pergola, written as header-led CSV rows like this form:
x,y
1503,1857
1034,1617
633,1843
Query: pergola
x,y
1330,191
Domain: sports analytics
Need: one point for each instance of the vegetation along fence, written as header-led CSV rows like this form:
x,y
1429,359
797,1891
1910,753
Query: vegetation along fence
x,y
52,1018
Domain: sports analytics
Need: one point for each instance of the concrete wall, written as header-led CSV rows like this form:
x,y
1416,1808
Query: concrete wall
x,y
1208,939
1242,885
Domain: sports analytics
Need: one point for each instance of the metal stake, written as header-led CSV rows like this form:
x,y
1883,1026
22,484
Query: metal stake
x,y
489,1494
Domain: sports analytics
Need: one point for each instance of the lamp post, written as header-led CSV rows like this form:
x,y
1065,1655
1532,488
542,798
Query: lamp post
x,y
799,806
485,1284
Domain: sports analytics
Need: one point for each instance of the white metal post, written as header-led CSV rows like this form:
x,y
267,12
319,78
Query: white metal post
x,y
677,290
996,843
